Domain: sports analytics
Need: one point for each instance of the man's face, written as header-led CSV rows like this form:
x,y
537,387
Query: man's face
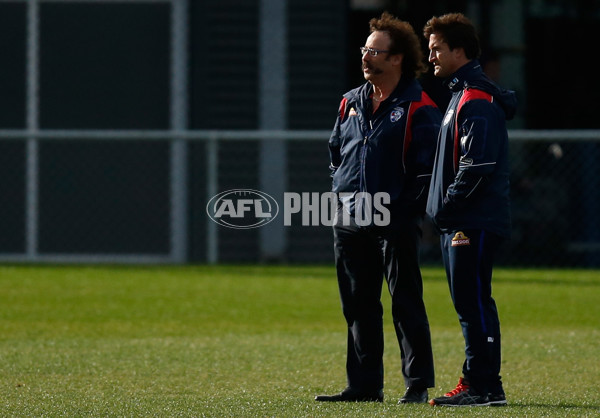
x,y
445,61
375,67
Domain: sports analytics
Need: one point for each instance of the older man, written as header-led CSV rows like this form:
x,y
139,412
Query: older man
x,y
383,142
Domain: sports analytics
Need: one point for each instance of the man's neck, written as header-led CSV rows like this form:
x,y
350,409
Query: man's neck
x,y
382,89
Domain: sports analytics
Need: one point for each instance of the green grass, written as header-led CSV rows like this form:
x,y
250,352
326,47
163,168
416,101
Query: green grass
x,y
263,340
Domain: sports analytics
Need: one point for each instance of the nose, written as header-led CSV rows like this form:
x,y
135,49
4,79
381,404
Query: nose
x,y
431,56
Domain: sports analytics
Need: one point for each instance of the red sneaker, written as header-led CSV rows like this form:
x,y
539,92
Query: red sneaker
x,y
460,387
461,395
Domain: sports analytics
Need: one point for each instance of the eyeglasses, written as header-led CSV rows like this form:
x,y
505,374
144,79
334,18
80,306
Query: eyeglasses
x,y
373,52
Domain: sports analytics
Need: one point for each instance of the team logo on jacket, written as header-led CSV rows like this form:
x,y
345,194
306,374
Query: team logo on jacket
x,y
352,112
396,114
460,239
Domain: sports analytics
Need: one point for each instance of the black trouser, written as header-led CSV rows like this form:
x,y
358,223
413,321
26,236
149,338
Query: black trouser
x,y
469,261
363,257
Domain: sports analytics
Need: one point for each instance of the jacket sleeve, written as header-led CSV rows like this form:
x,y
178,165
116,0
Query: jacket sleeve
x,y
477,150
334,139
421,155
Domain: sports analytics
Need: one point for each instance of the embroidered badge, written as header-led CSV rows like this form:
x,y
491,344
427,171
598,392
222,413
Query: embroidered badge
x,y
453,83
352,112
448,116
396,114
460,239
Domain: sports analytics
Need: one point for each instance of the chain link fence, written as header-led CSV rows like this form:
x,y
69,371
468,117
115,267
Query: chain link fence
x,y
98,196
555,192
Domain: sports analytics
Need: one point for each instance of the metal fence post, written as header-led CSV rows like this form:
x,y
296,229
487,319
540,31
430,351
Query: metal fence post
x,y
179,122
32,122
212,183
273,116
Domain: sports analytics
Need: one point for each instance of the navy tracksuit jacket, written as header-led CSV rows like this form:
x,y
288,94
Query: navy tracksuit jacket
x,y
470,185
469,205
390,151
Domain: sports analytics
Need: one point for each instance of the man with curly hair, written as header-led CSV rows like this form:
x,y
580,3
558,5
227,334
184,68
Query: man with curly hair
x,y
383,141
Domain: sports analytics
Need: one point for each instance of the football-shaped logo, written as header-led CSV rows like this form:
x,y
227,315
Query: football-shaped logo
x,y
242,208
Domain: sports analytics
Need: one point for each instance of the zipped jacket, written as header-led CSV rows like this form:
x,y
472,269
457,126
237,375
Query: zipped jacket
x,y
470,184
391,150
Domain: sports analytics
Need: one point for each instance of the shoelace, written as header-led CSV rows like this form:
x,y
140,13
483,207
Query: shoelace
x,y
461,387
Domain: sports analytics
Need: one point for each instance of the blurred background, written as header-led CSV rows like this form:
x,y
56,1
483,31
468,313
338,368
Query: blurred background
x,y
120,119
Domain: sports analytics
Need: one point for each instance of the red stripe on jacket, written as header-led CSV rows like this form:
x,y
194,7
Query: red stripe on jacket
x,y
468,95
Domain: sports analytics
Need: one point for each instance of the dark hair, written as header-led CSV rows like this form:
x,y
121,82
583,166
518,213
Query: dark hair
x,y
457,31
404,41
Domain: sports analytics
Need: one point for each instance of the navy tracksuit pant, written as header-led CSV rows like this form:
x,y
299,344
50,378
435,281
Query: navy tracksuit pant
x,y
468,258
364,256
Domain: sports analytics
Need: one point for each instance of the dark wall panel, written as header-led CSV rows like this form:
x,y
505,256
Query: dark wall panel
x,y
104,197
197,240
12,197
316,49
12,67
578,92
107,66
224,64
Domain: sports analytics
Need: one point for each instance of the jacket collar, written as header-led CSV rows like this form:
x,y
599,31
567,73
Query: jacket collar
x,y
406,90
459,80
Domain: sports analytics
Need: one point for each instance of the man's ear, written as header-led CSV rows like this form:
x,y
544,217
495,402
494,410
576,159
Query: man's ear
x,y
459,56
397,59
459,52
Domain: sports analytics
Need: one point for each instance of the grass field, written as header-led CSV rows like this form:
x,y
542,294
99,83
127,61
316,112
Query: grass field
x,y
263,340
